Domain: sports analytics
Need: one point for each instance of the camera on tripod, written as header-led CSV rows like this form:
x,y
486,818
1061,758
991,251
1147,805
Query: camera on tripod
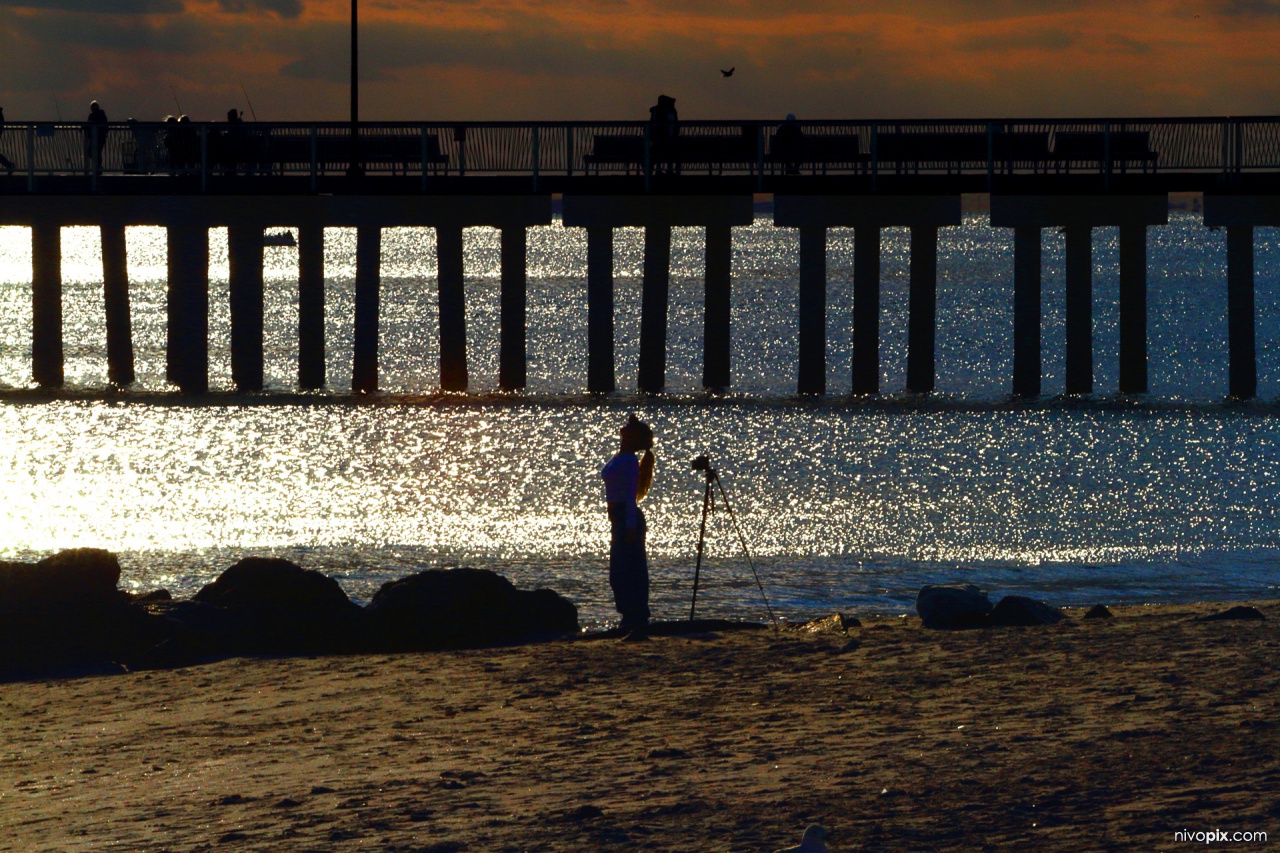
x,y
702,463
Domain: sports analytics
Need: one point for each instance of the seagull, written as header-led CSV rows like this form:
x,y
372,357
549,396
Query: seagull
x,y
728,73
813,841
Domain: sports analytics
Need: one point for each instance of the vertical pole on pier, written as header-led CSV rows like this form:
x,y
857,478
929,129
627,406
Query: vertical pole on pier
x,y
188,329
1133,309
311,366
866,309
600,367
1079,309
244,245
46,304
364,364
512,362
652,375
453,309
716,308
1026,311
115,292
813,311
1240,312
922,322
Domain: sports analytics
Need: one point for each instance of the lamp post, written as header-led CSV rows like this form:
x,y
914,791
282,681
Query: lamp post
x,y
356,169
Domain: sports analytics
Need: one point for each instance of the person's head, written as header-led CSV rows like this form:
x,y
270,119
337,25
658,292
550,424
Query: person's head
x,y
184,119
93,107
635,435
232,115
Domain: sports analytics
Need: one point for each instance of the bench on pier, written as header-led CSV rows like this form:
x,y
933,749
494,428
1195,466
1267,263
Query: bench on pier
x,y
817,152
1126,146
955,151
400,152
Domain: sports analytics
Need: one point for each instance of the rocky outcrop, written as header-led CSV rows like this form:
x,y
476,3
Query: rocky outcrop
x,y
948,606
1020,611
1241,613
1099,611
458,608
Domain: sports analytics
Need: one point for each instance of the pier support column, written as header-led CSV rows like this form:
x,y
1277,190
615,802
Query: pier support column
x,y
866,309
1240,313
188,327
453,309
311,365
512,361
46,304
1026,311
364,362
1079,310
115,291
244,245
600,366
923,310
813,311
1133,309
717,306
653,310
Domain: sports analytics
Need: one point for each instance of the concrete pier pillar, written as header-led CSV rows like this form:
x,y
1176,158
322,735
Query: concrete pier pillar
x,y
812,330
1026,311
600,365
1079,309
364,362
244,243
512,361
717,306
453,309
46,304
653,310
923,310
311,364
1240,313
1133,309
188,327
866,309
115,291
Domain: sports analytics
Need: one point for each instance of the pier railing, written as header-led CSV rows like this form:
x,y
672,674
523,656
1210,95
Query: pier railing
x,y
537,150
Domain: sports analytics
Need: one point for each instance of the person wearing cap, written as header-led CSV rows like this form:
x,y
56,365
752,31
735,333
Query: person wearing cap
x,y
626,481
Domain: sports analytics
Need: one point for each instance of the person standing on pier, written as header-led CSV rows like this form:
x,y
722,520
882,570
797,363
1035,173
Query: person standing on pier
x,y
5,162
626,481
95,138
664,129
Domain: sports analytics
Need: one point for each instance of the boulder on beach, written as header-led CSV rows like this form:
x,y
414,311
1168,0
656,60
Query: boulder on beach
x,y
1241,612
1020,611
1099,611
85,577
460,608
952,606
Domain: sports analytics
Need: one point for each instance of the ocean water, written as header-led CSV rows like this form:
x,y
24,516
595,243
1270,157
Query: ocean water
x,y
843,504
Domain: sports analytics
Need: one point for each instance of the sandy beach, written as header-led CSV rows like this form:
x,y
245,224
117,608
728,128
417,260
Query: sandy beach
x,y
1089,735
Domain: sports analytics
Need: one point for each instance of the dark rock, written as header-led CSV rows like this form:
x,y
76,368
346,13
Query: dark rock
x,y
583,813
1237,613
1099,611
78,577
460,608
952,606
156,595
1018,610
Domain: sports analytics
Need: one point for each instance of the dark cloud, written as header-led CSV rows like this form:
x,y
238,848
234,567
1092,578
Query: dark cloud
x,y
1043,39
98,7
283,8
1249,7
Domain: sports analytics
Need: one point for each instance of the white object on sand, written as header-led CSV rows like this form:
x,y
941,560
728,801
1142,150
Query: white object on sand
x,y
814,840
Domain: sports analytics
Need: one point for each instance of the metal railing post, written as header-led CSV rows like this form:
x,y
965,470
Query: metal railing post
x,y
204,157
31,158
759,157
315,158
875,157
648,156
537,154
1106,155
568,150
991,155
422,131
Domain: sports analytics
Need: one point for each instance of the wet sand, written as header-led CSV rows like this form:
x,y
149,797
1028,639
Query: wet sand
x,y
1094,735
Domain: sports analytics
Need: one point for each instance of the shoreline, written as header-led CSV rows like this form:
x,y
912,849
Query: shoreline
x,y
1100,734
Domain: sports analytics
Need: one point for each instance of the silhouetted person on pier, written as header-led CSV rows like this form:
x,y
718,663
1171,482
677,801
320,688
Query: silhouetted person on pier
x,y
231,142
95,138
182,144
788,144
5,162
664,131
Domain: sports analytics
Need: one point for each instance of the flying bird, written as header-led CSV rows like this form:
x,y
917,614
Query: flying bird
x,y
728,73
814,840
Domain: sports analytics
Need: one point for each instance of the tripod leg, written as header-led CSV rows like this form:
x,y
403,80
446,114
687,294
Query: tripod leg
x,y
702,539
745,550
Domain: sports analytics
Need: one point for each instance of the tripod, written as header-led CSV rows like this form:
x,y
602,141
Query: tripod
x,y
703,464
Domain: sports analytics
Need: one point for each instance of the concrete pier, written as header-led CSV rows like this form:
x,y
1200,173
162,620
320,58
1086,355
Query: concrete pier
x,y
1026,311
453,308
244,243
46,304
652,372
311,356
188,327
716,330
364,351
867,215
1133,309
512,361
600,325
1079,310
115,291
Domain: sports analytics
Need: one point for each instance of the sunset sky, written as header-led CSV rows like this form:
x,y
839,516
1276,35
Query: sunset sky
x,y
609,59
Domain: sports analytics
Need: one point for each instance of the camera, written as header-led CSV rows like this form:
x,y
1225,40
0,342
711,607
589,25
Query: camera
x,y
702,463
